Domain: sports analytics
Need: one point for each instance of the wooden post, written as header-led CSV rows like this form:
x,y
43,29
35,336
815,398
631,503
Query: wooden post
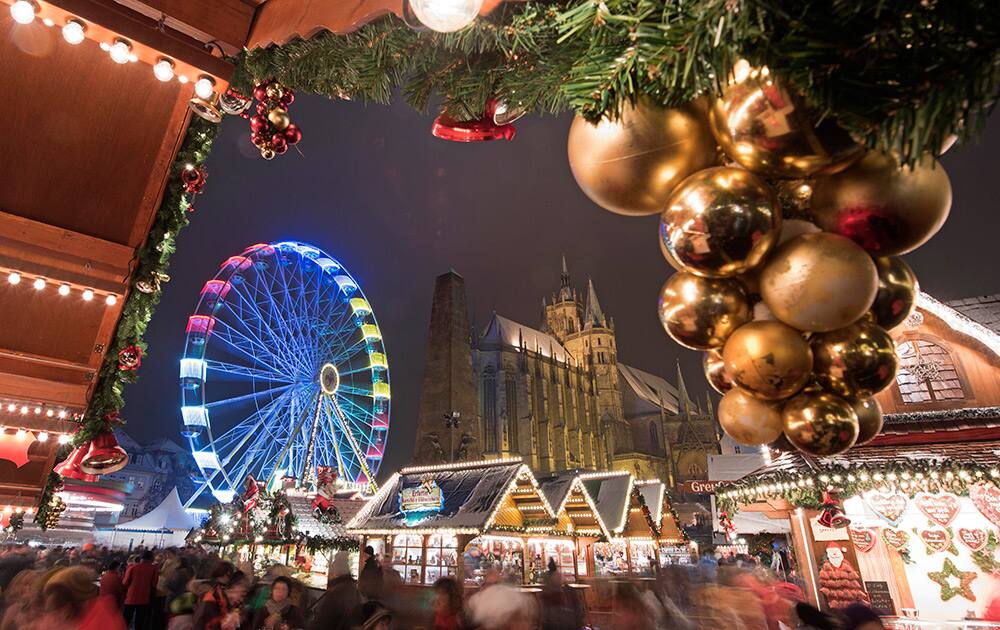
x,y
576,560
423,557
802,542
463,540
656,555
628,555
524,560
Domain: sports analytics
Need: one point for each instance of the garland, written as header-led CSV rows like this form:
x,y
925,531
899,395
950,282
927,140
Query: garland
x,y
902,76
986,558
50,506
806,489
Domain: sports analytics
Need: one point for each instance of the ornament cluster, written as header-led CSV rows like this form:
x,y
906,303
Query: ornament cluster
x,y
786,236
271,129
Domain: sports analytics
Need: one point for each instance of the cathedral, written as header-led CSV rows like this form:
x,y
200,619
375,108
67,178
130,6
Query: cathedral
x,y
556,395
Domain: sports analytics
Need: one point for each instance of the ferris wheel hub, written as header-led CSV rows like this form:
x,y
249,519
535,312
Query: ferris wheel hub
x,y
329,379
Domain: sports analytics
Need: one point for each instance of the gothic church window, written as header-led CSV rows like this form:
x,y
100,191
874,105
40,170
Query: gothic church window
x,y
927,373
512,416
653,436
490,409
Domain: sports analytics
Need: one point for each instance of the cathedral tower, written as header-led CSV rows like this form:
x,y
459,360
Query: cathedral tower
x,y
448,393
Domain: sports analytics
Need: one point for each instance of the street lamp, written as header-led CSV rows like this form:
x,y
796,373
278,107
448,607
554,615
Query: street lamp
x,y
452,421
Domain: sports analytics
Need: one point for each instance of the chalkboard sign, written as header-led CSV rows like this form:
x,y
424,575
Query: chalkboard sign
x,y
878,592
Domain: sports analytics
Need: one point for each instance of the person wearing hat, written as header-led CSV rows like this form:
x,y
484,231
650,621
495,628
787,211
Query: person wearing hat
x,y
71,600
338,605
370,580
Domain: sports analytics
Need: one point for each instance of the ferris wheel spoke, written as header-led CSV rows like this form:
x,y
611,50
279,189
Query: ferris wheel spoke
x,y
245,397
256,340
225,367
360,419
253,349
246,426
344,355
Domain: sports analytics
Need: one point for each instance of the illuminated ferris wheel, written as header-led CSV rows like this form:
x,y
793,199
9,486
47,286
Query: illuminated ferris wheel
x,y
283,370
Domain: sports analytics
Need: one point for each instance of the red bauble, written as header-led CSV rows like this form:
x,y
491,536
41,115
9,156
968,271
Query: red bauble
x,y
258,123
288,98
292,133
263,108
194,179
278,143
260,92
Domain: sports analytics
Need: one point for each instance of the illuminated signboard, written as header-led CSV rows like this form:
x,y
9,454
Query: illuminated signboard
x,y
427,497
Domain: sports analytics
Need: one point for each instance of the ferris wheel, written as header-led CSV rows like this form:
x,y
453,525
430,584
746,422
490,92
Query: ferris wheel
x,y
283,371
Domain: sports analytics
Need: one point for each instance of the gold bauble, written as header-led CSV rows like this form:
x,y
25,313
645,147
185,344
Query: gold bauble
x,y
267,153
897,291
720,222
885,208
820,424
279,118
715,371
749,420
819,282
869,414
701,313
631,165
768,359
856,361
767,129
275,91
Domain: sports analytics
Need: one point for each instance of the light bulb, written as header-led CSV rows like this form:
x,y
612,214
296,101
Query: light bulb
x,y
63,289
48,22
62,414
73,32
88,295
204,88
21,434
43,437
182,79
23,11
445,16
24,409
120,51
163,70
39,284
63,439
49,413
14,277
11,407
111,300
132,57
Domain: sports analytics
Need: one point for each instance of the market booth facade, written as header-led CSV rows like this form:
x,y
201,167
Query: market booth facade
x,y
463,519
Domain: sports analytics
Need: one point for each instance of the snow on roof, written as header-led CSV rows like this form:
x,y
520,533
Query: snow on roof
x,y
556,486
984,309
471,493
510,333
309,525
169,514
649,387
652,493
611,493
960,322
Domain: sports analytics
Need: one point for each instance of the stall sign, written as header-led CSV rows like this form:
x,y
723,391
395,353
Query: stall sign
x,y
700,487
427,497
881,599
822,532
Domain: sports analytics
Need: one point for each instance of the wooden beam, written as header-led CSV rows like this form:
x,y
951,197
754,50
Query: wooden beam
x,y
224,21
44,391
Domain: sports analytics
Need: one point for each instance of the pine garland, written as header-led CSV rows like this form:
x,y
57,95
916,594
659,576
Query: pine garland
x,y
901,76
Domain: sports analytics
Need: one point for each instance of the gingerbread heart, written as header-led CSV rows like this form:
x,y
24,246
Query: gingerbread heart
x,y
974,539
937,540
889,506
986,498
940,508
863,539
895,538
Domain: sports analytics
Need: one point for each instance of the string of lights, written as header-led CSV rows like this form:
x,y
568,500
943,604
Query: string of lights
x,y
17,277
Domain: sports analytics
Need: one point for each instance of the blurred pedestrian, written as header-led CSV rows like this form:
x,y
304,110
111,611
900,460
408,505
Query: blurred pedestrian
x,y
72,600
372,615
140,583
111,583
370,579
220,608
278,611
339,604
448,605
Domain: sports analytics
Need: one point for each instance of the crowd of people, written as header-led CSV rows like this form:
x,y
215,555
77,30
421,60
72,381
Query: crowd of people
x,y
97,588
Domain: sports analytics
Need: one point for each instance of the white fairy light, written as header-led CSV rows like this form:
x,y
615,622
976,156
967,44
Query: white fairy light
x,y
63,289
88,295
120,51
204,87
74,32
23,11
39,284
163,70
111,300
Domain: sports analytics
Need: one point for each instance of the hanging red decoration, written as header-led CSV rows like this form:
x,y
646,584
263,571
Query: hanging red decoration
x,y
481,130
251,491
103,455
69,468
271,128
833,513
130,358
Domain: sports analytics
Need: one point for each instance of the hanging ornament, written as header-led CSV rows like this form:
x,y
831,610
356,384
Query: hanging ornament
x,y
767,128
481,130
720,222
869,413
103,455
279,118
631,165
782,445
194,178
69,468
727,525
701,312
443,16
271,128
883,207
206,108
768,360
857,361
795,197
819,282
503,112
130,358
152,284
897,292
748,420
832,514
715,371
950,571
55,509
820,424
234,103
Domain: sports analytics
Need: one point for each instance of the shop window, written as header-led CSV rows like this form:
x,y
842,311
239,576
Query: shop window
x,y
407,556
610,558
927,373
643,554
506,555
541,551
442,557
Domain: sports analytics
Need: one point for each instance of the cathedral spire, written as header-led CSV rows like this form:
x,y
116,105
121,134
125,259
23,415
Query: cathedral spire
x,y
593,315
682,393
565,291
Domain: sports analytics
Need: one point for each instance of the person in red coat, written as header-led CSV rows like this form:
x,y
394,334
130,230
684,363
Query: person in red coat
x,y
111,583
140,583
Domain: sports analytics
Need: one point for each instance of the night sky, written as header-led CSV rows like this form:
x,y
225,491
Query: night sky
x,y
398,207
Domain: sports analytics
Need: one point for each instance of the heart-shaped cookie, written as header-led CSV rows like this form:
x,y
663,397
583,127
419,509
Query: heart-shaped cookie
x,y
863,539
889,506
974,539
940,508
986,498
937,540
895,538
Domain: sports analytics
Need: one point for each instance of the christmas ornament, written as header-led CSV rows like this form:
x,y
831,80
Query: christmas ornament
x,y
206,108
234,103
503,113
936,540
885,208
820,424
104,456
768,360
819,282
949,571
480,130
889,506
869,414
444,16
194,178
130,358
974,539
857,361
631,165
767,128
749,420
720,222
69,468
152,284
279,118
271,129
986,498
897,292
795,197
863,539
715,371
896,538
701,312
832,512
940,508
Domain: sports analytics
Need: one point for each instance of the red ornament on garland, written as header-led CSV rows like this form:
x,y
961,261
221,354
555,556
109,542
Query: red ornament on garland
x,y
69,468
271,129
193,177
103,455
482,130
130,358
